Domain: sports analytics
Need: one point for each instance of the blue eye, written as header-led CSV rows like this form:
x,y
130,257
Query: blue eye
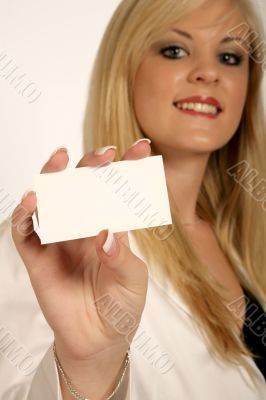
x,y
172,52
230,59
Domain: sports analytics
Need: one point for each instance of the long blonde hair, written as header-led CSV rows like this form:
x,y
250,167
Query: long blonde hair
x,y
238,220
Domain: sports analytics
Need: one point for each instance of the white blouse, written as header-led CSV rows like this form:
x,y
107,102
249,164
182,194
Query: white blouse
x,y
169,358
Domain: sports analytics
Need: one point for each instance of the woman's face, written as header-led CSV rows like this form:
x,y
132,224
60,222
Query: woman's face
x,y
195,62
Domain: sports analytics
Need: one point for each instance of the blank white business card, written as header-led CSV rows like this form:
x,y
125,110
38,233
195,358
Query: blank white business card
x,y
122,196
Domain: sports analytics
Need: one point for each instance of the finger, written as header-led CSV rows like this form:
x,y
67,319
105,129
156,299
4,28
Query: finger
x,y
129,269
57,162
101,156
105,155
140,149
22,229
123,237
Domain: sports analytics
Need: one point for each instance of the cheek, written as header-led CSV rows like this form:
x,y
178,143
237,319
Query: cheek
x,y
237,98
153,94
149,86
145,105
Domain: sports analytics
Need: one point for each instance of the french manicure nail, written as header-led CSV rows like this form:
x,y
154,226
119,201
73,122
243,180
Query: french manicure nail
x,y
64,149
141,140
101,150
109,246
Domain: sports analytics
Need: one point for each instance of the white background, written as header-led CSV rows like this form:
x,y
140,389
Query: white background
x,y
54,43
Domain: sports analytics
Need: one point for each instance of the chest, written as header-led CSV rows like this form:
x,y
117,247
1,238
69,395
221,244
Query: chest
x,y
167,345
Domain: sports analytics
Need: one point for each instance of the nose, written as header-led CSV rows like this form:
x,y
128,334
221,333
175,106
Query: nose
x,y
204,71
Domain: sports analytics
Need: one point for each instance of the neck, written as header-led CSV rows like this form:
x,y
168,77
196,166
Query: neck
x,y
184,174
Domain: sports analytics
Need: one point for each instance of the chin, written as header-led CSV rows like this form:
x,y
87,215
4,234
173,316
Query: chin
x,y
205,141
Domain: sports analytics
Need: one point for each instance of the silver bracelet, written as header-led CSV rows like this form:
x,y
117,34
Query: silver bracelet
x,y
73,391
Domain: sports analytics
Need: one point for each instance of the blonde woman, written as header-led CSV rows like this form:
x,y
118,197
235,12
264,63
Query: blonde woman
x,y
180,78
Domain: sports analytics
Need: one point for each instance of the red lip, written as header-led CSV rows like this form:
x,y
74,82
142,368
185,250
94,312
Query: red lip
x,y
200,99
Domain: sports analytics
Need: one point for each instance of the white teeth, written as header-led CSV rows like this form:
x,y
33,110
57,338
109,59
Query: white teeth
x,y
200,107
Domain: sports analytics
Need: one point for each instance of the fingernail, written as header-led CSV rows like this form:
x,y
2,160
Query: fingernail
x,y
64,149
109,246
101,150
26,194
141,140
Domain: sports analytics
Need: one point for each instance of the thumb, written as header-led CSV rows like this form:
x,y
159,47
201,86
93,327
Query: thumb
x,y
115,254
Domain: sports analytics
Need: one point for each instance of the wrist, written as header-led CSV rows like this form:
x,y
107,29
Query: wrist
x,y
97,377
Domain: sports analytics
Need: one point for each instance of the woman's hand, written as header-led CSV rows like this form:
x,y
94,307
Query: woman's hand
x,y
92,301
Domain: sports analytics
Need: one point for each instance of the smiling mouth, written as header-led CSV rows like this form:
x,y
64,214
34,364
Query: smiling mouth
x,y
202,109
199,107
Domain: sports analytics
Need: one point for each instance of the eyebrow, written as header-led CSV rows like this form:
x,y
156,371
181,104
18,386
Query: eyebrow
x,y
227,39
